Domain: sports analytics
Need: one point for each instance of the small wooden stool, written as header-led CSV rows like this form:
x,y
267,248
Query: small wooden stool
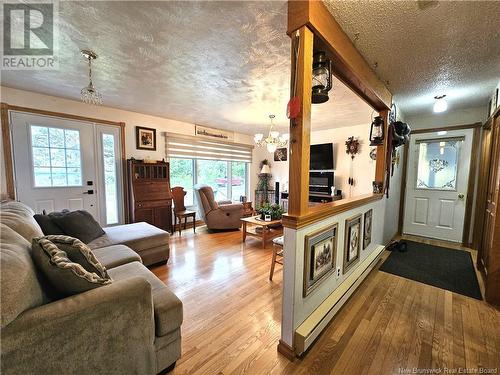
x,y
180,211
277,252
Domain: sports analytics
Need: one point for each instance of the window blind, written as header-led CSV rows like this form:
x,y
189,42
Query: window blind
x,y
180,146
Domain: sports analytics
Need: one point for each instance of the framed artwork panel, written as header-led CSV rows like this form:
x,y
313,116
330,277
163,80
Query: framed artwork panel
x,y
320,252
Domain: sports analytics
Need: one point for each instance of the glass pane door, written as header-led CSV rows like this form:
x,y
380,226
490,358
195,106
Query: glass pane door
x,y
438,163
109,187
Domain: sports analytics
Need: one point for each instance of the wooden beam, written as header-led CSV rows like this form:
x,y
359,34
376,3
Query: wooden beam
x,y
7,152
380,166
324,210
300,128
349,65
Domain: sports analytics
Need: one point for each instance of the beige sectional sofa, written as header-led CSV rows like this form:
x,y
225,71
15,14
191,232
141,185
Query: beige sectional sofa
x,y
131,326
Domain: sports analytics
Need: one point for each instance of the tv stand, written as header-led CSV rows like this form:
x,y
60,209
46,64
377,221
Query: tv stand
x,y
314,199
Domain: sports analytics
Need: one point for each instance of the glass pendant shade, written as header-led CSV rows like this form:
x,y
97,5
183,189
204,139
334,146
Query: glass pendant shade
x,y
440,105
258,137
274,134
90,95
271,147
321,77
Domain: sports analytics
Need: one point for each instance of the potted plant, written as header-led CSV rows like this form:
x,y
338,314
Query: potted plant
x,y
275,211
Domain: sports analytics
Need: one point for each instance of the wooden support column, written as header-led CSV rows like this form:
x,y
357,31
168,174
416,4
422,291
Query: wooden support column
x,y
300,128
380,168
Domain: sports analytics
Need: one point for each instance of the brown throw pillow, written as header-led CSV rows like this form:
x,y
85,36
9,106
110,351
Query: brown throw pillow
x,y
68,264
79,224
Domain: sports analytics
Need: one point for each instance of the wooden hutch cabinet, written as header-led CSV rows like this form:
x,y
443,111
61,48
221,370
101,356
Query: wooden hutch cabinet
x,y
150,199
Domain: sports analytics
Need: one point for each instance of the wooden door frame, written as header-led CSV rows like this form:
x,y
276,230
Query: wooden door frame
x,y
7,144
470,182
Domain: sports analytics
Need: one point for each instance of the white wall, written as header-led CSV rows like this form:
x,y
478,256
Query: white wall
x,y
363,166
391,216
296,308
131,119
449,118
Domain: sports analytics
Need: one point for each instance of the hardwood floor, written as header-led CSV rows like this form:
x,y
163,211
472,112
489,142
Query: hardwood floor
x,y
232,318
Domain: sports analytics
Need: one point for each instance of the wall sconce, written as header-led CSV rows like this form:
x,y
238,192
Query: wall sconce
x,y
321,77
377,132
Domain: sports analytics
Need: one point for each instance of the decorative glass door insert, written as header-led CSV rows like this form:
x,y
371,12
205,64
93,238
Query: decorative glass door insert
x,y
438,163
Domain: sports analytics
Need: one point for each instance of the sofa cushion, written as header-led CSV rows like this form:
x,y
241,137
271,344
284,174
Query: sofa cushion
x,y
138,236
21,288
66,276
116,255
79,224
19,218
167,307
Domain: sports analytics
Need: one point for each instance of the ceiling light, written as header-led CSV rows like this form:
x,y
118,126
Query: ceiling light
x,y
440,105
273,140
442,132
89,94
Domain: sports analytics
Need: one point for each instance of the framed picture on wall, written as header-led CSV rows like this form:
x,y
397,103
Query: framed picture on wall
x,y
319,257
145,138
352,242
281,154
367,229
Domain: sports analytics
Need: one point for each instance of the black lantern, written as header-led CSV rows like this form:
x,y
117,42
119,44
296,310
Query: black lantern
x,y
377,131
321,77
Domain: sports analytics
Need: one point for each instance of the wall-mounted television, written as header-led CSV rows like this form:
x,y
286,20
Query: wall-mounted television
x,y
321,157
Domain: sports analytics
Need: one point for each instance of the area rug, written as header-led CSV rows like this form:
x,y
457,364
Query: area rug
x,y
444,268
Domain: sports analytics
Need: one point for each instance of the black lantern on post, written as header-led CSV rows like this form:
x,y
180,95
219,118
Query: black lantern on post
x,y
377,132
321,77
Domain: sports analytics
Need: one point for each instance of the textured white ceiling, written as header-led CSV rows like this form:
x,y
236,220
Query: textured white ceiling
x,y
427,48
227,64
222,64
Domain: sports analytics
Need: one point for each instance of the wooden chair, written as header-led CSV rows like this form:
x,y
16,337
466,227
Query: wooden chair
x,y
180,211
277,252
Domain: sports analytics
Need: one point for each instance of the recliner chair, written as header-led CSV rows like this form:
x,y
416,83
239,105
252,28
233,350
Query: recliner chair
x,y
217,215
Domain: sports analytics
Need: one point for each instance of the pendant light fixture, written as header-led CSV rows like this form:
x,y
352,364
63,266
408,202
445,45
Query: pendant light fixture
x,y
273,140
440,105
89,94
321,77
377,133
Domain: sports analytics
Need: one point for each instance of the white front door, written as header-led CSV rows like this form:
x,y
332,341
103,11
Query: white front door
x,y
436,184
65,164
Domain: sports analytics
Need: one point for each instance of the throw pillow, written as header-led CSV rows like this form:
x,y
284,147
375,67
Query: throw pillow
x,y
64,273
47,224
79,224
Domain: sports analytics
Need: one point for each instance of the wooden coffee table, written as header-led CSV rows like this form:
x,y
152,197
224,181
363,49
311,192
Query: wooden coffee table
x,y
266,232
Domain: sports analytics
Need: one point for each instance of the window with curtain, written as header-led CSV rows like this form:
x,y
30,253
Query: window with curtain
x,y
223,166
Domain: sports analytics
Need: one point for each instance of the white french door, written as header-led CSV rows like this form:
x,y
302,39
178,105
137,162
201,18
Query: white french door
x,y
437,181
67,164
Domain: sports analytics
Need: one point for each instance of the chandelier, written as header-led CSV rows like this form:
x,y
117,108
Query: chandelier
x,y
89,94
273,140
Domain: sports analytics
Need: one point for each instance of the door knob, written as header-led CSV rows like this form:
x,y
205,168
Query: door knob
x,y
461,196
88,192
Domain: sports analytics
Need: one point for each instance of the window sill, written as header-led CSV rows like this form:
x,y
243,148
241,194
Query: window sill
x,y
322,211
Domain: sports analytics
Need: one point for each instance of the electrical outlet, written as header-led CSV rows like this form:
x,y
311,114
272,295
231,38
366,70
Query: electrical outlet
x,y
338,272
